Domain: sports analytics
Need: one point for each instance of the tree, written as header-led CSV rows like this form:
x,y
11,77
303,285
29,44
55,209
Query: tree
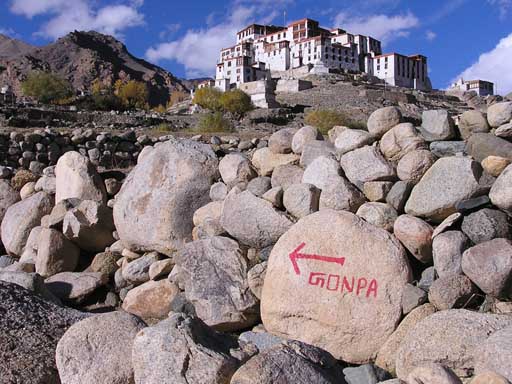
x,y
177,97
133,94
47,88
236,102
208,98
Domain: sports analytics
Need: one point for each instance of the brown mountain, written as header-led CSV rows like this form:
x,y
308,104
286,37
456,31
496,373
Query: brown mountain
x,y
10,47
82,57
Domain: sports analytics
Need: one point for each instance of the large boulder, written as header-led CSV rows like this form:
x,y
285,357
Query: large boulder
x,y
265,161
235,167
501,190
290,362
75,286
154,209
447,250
20,218
495,354
76,177
416,235
351,139
151,300
253,221
366,164
499,114
55,253
449,181
472,122
322,172
382,120
30,328
285,175
281,141
437,125
8,196
183,350
303,136
333,274
341,195
482,145
98,349
414,164
400,140
448,338
214,275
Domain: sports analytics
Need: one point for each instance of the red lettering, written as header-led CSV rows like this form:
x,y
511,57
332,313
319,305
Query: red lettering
x,y
329,287
346,286
372,288
361,283
317,278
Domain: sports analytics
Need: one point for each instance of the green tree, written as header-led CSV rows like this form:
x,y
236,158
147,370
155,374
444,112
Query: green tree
x,y
208,98
133,94
47,88
236,102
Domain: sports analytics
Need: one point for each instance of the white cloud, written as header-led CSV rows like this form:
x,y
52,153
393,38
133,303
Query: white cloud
x,y
381,27
198,49
493,66
170,29
67,16
430,35
504,6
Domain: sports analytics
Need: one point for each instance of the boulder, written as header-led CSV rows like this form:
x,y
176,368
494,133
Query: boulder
x,y
449,181
504,131
105,263
290,362
501,191
98,349
214,275
55,253
495,354
448,148
259,185
160,268
304,136
286,175
265,161
314,149
235,167
433,374
253,221
472,122
136,272
20,218
412,298
489,266
8,196
340,195
351,139
482,145
386,358
400,140
398,195
154,209
499,114
274,196
255,278
447,250
437,125
382,120
377,191
413,165
30,328
281,141
322,172
486,224
366,164
183,350
321,256
495,165
448,338
90,226
218,191
151,300
335,131
381,215
262,340
76,177
451,291
30,281
75,286
301,199
489,378
416,235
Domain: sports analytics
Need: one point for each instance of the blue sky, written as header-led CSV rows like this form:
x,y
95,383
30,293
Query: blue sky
x,y
472,38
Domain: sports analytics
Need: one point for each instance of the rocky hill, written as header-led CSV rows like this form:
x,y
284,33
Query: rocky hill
x,y
82,57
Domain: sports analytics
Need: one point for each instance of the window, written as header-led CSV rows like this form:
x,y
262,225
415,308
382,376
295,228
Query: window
x,y
229,63
229,73
326,57
386,66
238,78
378,67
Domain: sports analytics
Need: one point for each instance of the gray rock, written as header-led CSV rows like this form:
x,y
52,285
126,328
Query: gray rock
x,y
486,224
255,278
482,145
286,175
274,196
8,196
322,172
351,139
235,167
400,140
489,266
380,215
449,338
449,181
504,131
382,120
303,136
470,204
137,271
218,191
262,340
154,209
314,149
447,223
98,349
472,122
501,191
253,221
55,253
281,141
447,250
452,291
499,114
298,363
433,374
364,374
340,195
377,191
75,286
413,165
412,297
259,186
20,218
214,274
398,195
447,148
301,199
160,268
182,350
366,164
428,276
416,235
30,281
30,328
495,354
437,125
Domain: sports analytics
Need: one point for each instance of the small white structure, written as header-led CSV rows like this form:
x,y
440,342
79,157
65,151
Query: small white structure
x,y
481,87
261,49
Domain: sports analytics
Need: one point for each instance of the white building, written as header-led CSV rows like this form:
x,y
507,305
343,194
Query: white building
x,y
402,71
261,49
481,87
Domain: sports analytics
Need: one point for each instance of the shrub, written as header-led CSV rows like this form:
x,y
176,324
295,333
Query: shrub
x,y
213,123
325,119
160,109
133,94
162,128
106,102
46,87
209,98
177,97
236,102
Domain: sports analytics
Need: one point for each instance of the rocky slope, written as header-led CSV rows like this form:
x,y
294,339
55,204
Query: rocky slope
x,y
82,57
360,256
10,47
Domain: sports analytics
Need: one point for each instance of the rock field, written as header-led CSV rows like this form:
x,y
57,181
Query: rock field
x,y
358,257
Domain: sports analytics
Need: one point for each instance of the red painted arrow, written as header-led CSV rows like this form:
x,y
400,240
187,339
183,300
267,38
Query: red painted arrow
x,y
295,255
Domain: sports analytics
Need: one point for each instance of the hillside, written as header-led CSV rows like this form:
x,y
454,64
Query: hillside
x,y
82,57
10,47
